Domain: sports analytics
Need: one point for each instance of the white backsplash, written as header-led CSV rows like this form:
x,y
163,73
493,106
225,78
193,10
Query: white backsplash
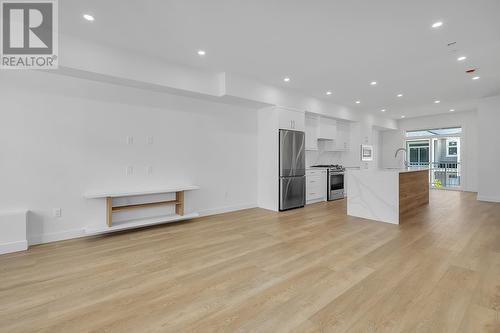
x,y
314,157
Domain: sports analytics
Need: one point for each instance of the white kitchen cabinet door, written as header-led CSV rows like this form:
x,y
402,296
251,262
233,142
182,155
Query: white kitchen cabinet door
x,y
292,120
312,123
327,128
342,138
343,135
315,185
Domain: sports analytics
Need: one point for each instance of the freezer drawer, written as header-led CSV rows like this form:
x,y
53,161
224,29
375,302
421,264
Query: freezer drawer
x,y
292,192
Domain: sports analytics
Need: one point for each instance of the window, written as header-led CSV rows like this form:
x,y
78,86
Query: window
x,y
451,148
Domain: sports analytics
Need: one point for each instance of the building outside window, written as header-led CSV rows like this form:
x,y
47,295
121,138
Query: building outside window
x,y
451,147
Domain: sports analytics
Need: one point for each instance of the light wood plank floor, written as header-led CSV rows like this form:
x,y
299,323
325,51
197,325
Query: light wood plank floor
x,y
307,270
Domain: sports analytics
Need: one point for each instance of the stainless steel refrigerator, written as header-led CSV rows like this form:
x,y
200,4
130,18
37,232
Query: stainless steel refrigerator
x,y
292,170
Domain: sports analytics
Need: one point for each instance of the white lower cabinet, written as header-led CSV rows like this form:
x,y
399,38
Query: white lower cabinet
x,y
315,185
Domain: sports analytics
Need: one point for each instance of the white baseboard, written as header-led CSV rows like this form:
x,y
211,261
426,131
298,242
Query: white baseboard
x,y
56,236
488,198
227,209
13,247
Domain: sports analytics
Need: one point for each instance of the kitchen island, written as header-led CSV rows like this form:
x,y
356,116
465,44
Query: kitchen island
x,y
387,194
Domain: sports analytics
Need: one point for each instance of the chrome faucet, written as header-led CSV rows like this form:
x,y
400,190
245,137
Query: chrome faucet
x,y
396,155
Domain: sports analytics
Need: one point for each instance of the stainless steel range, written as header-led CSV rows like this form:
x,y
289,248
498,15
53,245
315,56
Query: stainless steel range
x,y
334,181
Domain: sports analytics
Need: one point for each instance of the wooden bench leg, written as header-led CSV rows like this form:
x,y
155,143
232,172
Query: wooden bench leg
x,y
109,211
179,207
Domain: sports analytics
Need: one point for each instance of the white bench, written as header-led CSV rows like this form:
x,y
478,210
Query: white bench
x,y
13,231
110,208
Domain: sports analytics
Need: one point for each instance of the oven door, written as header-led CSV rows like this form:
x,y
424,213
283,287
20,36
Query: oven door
x,y
335,185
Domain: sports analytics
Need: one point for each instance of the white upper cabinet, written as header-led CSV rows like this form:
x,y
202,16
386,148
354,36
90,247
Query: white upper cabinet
x,y
327,129
312,126
291,120
334,135
343,136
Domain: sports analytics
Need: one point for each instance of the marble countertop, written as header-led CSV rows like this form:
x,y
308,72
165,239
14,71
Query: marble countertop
x,y
403,170
395,170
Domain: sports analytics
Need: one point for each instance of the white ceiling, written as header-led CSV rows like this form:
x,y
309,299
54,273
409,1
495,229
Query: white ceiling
x,y
336,45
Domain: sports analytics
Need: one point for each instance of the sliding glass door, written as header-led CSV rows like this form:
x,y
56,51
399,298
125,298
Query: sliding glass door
x,y
418,152
446,163
440,152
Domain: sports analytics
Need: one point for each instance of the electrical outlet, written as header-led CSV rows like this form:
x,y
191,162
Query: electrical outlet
x,y
150,170
130,140
57,212
130,170
150,140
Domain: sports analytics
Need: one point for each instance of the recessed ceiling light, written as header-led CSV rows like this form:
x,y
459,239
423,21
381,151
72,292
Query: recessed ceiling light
x,y
88,17
201,52
400,95
373,83
437,24
328,92
383,110
452,110
403,116
286,79
357,102
476,77
437,102
462,58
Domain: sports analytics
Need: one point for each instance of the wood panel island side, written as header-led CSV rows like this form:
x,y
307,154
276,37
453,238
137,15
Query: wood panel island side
x,y
387,195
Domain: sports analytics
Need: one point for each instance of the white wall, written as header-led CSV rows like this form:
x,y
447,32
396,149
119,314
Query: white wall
x,y
267,154
489,149
62,137
392,140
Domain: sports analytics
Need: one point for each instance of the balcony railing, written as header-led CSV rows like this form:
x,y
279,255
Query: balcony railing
x,y
443,174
